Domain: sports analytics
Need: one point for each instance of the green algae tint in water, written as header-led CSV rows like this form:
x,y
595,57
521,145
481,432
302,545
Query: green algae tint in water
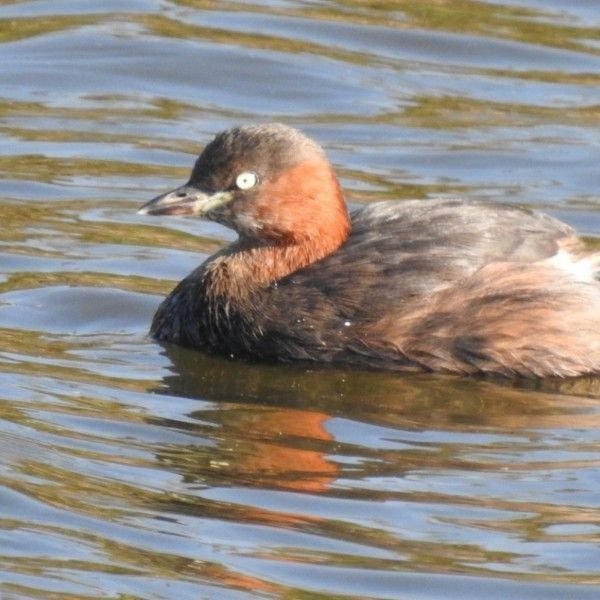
x,y
128,470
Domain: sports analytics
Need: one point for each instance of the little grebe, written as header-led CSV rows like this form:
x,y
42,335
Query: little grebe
x,y
439,285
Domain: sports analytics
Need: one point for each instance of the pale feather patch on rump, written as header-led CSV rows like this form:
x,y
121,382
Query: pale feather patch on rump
x,y
573,258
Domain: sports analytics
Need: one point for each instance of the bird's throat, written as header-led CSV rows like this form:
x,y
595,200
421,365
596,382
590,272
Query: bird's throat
x,y
243,269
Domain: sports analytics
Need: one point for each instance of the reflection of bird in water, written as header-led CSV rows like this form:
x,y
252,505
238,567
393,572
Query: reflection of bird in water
x,y
283,426
444,285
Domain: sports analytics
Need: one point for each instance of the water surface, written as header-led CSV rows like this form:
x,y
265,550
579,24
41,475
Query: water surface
x,y
129,470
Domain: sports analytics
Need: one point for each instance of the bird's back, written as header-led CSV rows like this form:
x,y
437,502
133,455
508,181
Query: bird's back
x,y
442,285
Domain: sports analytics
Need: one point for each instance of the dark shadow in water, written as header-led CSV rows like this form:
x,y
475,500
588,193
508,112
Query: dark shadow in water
x,y
372,395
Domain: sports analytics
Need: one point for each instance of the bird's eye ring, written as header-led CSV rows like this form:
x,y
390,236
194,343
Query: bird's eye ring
x,y
246,180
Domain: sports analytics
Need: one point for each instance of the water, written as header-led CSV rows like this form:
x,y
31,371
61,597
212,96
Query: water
x,y
128,470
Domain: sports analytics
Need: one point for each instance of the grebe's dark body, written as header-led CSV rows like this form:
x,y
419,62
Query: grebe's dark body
x,y
443,285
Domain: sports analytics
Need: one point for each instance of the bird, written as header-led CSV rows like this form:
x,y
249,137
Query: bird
x,y
446,285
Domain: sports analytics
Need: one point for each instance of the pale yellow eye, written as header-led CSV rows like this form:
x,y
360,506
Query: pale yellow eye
x,y
246,180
